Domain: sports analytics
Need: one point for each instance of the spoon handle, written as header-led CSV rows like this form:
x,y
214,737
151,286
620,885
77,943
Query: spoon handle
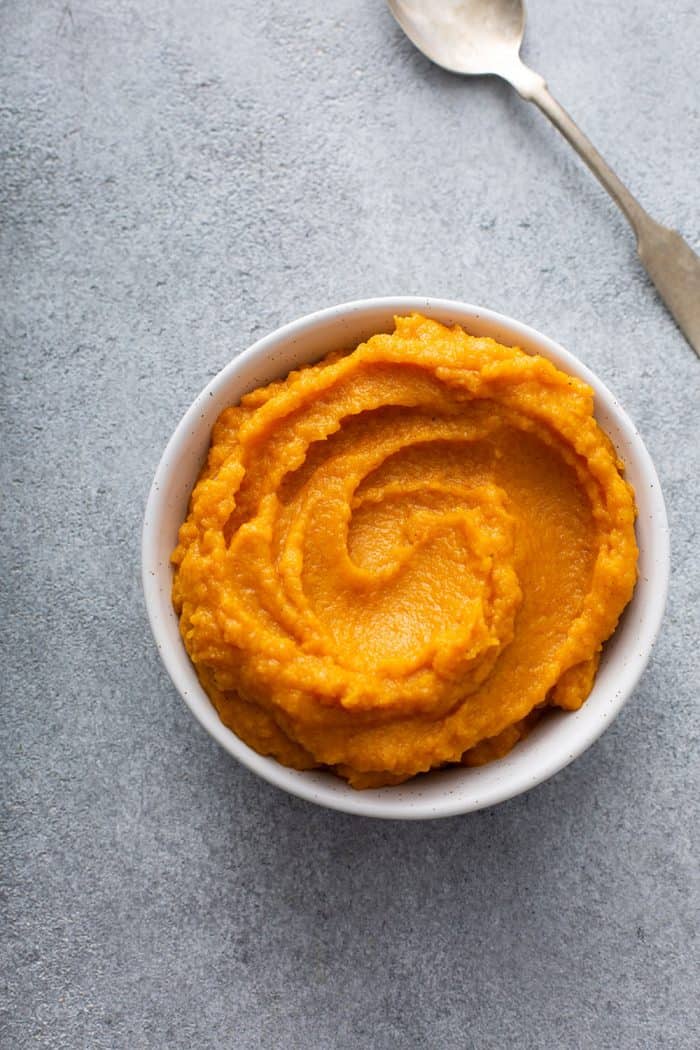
x,y
670,262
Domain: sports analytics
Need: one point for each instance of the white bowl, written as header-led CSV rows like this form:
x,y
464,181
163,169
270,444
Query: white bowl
x,y
559,738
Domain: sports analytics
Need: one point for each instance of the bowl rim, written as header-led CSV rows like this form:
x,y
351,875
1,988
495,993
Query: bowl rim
x,y
378,802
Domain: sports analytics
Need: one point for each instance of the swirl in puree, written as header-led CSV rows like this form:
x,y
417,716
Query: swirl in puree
x,y
399,557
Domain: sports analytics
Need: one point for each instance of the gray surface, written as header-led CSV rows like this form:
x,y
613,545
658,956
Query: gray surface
x,y
178,178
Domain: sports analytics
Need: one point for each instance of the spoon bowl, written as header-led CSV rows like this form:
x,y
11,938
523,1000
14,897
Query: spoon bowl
x,y
473,37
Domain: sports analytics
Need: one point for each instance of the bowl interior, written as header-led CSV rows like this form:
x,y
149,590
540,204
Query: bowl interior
x,y
560,737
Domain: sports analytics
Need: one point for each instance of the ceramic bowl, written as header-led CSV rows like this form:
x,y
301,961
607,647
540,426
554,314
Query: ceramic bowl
x,y
559,738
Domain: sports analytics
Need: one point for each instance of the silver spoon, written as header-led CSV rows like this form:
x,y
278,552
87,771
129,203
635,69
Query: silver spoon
x,y
484,36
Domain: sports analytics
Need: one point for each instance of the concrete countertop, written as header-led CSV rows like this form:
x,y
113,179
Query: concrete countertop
x,y
179,179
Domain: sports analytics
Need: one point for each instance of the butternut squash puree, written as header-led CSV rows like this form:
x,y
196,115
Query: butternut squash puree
x,y
398,558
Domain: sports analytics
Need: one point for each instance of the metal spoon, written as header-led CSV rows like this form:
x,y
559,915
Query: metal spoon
x,y
484,36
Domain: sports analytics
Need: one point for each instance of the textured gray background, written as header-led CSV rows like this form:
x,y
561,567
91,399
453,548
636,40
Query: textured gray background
x,y
177,179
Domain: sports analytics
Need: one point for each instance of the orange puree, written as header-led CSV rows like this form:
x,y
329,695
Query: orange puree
x,y
398,558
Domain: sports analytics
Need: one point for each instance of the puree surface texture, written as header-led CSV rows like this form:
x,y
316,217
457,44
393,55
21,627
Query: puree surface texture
x,y
398,558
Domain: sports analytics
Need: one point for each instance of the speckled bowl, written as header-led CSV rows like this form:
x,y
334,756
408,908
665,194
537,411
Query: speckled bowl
x,y
559,738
